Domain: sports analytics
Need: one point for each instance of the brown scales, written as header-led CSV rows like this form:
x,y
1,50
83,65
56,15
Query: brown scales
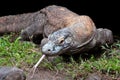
x,y
38,25
45,21
51,19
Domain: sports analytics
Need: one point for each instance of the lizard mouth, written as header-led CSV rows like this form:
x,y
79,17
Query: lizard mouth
x,y
51,49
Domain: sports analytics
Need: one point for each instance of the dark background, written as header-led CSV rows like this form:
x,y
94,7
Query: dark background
x,y
104,13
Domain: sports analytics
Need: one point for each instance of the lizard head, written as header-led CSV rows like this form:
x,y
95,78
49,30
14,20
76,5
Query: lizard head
x,y
58,42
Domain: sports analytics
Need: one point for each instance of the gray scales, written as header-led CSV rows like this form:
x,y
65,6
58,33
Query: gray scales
x,y
58,30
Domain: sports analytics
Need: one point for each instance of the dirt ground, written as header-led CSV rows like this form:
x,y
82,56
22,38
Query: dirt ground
x,y
43,74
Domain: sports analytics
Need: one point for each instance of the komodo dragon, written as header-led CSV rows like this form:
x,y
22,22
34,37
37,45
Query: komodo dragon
x,y
66,32
63,31
11,73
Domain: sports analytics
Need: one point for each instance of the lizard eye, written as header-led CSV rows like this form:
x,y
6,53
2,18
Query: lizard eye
x,y
61,40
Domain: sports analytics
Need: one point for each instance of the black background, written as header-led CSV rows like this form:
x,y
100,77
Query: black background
x,y
104,13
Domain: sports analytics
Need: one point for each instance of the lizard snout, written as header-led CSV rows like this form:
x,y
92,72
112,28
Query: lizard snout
x,y
51,49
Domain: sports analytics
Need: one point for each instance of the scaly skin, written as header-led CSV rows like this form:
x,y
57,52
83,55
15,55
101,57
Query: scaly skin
x,y
61,30
65,41
15,23
56,17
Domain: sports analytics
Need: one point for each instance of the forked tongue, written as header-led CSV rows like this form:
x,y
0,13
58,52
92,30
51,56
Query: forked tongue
x,y
36,65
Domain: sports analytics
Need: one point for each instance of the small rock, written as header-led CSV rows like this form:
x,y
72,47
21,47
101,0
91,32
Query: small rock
x,y
11,73
94,76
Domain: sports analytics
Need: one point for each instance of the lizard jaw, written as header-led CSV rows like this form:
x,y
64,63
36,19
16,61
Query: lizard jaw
x,y
51,49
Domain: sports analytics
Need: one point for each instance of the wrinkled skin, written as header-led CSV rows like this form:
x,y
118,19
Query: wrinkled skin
x,y
68,33
58,30
58,43
11,73
63,42
50,19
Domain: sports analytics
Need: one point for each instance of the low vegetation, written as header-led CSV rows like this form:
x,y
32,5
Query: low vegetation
x,y
26,54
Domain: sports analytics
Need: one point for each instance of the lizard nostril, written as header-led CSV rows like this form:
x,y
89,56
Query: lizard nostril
x,y
49,50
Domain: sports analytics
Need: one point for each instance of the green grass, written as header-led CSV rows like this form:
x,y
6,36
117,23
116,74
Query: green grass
x,y
25,54
17,53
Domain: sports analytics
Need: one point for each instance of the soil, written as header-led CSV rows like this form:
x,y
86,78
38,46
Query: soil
x,y
43,74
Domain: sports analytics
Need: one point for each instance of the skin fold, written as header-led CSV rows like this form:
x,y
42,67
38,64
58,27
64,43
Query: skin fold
x,y
57,30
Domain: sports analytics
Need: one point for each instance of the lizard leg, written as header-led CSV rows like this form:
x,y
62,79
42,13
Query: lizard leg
x,y
103,36
34,29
